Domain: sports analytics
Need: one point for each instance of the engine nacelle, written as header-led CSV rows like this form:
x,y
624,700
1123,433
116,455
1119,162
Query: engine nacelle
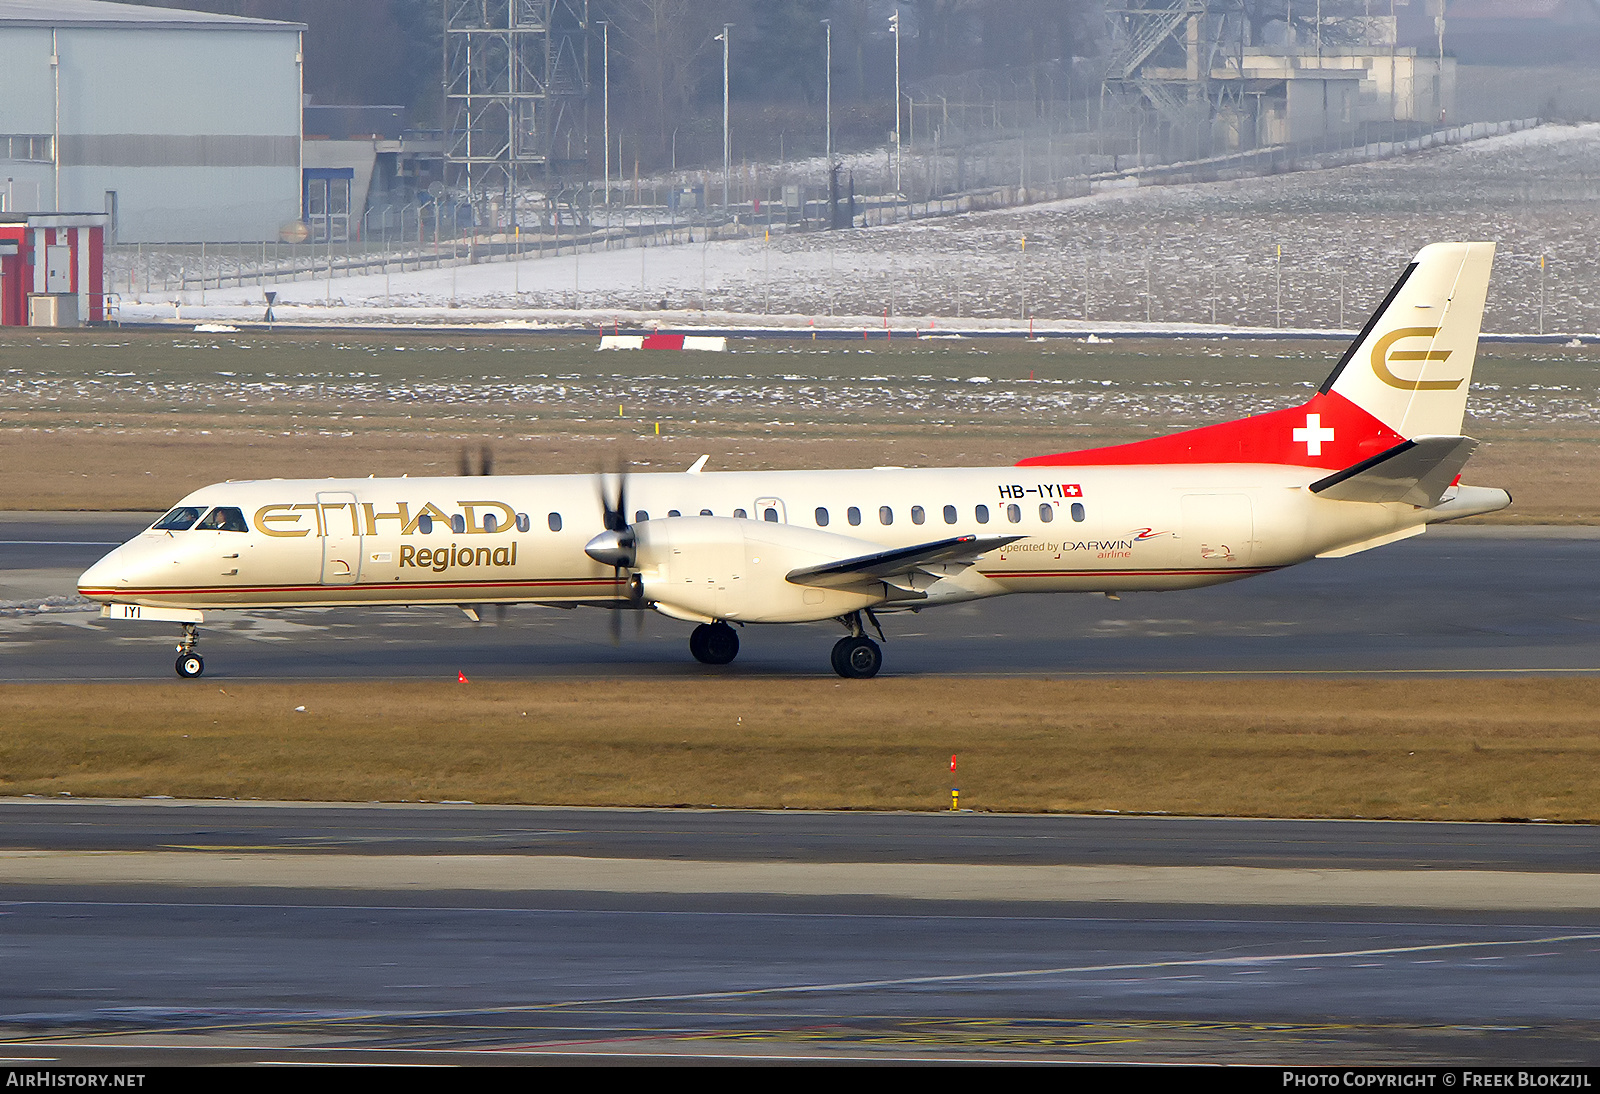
x,y
728,568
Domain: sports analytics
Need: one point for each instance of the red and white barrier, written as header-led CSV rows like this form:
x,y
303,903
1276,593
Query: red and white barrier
x,y
708,343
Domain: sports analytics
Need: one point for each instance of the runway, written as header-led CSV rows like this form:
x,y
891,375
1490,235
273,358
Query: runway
x,y
159,932
1457,599
142,973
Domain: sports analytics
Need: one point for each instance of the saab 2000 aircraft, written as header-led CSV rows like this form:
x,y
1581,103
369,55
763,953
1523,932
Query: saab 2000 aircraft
x,y
1374,456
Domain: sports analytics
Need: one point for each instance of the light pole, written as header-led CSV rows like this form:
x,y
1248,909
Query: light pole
x,y
828,99
605,109
894,24
727,146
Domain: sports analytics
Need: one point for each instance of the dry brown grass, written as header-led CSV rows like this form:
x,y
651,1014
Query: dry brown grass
x,y
79,443
1436,748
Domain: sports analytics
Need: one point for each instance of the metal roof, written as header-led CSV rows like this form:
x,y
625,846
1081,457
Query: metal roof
x,y
102,13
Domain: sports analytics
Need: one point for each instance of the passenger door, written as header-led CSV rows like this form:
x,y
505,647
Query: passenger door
x,y
341,538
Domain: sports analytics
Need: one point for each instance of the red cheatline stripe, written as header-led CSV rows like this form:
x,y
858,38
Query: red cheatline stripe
x,y
184,590
1130,573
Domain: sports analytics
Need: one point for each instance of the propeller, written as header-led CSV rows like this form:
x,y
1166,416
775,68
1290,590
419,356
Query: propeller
x,y
616,546
485,462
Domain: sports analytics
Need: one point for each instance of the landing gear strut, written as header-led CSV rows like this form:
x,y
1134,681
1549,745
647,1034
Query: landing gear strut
x,y
190,664
714,643
857,657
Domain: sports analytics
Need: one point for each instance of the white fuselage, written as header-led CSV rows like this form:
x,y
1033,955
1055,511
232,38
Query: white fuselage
x,y
521,539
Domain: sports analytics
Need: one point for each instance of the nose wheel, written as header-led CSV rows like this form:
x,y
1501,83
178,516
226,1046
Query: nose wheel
x,y
714,643
190,664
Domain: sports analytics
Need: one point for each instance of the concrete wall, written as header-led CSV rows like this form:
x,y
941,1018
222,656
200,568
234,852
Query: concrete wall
x,y
196,130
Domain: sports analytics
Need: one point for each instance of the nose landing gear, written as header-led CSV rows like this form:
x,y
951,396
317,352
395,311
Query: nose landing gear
x,y
190,664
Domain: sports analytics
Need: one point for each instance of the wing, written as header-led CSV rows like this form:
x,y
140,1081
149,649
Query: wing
x,y
901,566
1418,471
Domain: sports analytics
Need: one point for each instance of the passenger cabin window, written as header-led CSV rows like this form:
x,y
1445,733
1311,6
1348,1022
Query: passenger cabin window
x,y
458,524
740,514
770,514
822,517
640,516
180,519
490,523
1014,513
983,514
425,524
1047,512
949,514
1077,510
705,512
555,522
673,513
917,514
885,515
523,523
223,519
853,515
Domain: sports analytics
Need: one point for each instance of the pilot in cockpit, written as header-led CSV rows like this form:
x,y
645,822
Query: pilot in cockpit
x,y
223,519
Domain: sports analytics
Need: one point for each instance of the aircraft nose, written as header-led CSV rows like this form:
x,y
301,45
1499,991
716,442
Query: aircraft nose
x,y
102,580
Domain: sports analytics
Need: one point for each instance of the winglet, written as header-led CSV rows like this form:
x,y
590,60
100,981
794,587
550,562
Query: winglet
x,y
698,465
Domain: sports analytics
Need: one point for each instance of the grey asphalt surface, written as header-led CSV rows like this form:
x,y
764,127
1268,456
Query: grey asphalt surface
x,y
795,836
592,975
126,974
1476,599
100,974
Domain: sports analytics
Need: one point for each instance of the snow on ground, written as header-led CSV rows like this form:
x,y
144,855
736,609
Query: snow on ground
x,y
1177,254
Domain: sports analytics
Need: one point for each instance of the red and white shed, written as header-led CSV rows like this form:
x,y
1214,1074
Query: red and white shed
x,y
52,269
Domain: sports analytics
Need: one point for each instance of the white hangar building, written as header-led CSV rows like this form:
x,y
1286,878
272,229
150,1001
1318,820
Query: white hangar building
x,y
182,126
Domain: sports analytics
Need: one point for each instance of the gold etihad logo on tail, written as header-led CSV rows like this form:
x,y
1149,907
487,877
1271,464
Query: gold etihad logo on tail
x,y
1381,356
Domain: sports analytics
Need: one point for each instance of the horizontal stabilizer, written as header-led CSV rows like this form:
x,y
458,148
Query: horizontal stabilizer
x,y
882,565
1417,472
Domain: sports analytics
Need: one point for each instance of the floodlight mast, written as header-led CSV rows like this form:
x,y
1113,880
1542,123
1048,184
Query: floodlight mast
x,y
827,112
894,24
727,145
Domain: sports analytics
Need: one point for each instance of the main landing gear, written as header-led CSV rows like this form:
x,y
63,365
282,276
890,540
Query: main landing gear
x,y
190,664
857,657
714,643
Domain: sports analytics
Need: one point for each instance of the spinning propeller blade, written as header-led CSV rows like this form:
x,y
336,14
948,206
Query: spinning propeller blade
x,y
615,546
485,462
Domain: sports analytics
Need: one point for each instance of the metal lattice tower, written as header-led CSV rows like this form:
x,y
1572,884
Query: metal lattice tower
x,y
516,82
1183,60
1164,51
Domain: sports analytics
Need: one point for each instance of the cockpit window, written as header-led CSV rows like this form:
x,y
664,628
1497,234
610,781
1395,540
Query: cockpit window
x,y
223,519
179,520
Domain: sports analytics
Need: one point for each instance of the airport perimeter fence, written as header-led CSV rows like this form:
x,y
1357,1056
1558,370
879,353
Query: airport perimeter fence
x,y
1272,288
1227,283
1253,282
